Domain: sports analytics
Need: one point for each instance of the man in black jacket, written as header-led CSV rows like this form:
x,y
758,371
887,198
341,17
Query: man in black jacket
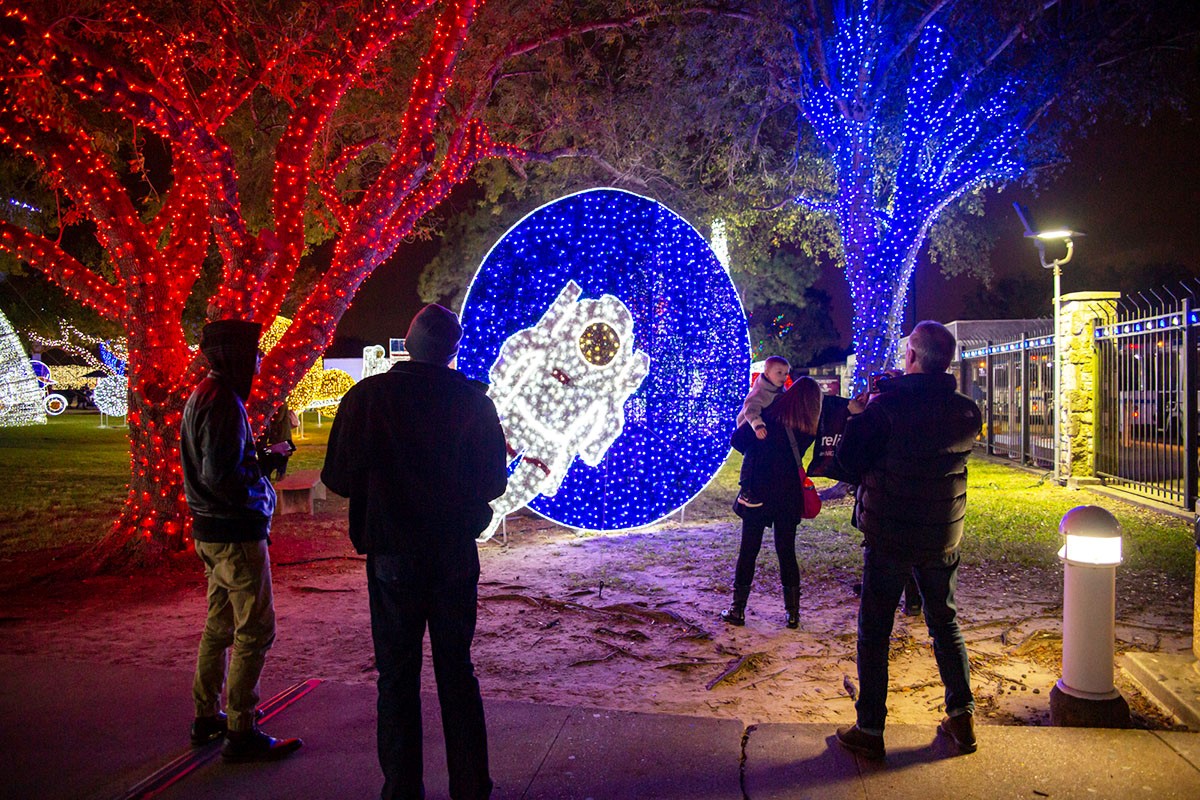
x,y
231,503
420,453
907,449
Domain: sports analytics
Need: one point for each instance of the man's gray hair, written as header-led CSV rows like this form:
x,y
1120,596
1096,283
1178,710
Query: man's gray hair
x,y
932,344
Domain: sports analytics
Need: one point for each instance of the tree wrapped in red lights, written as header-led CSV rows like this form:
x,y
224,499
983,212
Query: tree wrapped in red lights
x,y
349,103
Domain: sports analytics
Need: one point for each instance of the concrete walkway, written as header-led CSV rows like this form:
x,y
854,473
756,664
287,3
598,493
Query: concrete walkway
x,y
82,731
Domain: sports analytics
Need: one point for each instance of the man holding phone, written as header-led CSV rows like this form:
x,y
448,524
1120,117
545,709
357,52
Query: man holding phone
x,y
907,449
231,501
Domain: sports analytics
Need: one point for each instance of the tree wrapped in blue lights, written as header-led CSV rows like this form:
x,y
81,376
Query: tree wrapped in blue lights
x,y
954,138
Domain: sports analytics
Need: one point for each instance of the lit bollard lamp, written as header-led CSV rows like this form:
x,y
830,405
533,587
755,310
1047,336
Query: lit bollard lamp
x,y
1085,695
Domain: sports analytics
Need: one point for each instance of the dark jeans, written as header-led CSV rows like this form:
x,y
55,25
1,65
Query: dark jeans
x,y
404,597
884,576
785,548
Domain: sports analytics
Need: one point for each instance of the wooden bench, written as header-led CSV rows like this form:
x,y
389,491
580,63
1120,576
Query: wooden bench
x,y
297,490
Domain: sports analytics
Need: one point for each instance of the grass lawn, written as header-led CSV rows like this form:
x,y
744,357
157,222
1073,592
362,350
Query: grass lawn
x,y
67,483
67,479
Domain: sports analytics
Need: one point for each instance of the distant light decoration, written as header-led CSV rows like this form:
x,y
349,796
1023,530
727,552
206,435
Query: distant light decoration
x,y
20,393
41,371
114,359
320,389
549,303
719,242
375,361
111,395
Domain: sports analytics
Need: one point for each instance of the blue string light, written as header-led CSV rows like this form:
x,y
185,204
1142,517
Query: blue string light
x,y
951,143
688,325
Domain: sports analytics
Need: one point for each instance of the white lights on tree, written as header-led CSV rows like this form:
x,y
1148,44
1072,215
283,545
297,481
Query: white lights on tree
x,y
560,389
111,395
719,242
20,394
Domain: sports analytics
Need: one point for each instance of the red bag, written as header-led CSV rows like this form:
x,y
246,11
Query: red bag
x,y
810,501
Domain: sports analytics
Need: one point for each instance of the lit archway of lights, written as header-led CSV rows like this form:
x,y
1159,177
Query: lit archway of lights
x,y
617,353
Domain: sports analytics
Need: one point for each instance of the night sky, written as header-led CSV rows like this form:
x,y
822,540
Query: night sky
x,y
1134,191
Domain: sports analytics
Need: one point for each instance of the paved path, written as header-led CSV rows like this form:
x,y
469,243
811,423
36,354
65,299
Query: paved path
x,y
84,731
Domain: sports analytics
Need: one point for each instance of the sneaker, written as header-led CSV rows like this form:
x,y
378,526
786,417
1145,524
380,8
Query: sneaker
x,y
913,610
254,745
206,730
748,500
961,729
867,745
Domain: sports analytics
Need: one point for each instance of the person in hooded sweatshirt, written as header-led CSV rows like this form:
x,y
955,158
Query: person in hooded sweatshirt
x,y
231,503
420,453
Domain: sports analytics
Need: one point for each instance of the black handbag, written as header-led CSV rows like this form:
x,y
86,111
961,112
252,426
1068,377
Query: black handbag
x,y
824,464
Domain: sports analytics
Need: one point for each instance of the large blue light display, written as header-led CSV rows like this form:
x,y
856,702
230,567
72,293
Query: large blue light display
x,y
569,281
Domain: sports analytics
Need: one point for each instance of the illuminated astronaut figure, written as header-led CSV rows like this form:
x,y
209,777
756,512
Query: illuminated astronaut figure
x,y
560,389
375,361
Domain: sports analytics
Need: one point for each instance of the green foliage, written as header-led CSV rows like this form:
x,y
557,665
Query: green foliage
x,y
700,112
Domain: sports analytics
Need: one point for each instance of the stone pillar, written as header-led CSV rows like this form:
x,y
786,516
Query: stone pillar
x,y
1079,314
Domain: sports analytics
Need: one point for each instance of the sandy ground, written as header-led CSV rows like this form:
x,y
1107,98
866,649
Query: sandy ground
x,y
620,621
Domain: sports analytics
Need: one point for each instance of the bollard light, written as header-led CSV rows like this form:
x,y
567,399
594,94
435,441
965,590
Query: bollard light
x,y
1092,536
1091,551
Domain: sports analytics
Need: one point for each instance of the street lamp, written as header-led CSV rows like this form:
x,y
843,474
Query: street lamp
x,y
1040,239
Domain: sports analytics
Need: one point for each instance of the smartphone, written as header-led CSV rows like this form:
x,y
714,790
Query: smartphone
x,y
282,448
874,382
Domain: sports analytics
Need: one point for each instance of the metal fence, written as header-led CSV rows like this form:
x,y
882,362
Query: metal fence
x,y
1146,401
1013,382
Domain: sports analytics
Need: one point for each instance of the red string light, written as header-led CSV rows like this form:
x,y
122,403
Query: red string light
x,y
62,84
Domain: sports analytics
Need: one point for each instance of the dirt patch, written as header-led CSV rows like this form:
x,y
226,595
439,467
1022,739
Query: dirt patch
x,y
621,621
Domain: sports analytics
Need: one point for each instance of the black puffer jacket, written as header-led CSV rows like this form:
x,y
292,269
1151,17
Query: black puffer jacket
x,y
908,451
420,452
230,499
770,472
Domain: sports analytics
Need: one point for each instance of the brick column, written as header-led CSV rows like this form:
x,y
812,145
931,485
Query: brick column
x,y
1078,316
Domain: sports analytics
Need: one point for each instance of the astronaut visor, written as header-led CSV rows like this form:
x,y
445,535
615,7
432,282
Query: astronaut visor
x,y
599,343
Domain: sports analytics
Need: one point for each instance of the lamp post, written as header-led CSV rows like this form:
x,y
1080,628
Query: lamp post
x,y
1040,239
1091,551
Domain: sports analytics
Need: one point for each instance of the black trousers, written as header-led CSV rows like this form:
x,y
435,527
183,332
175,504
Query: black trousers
x,y
754,525
404,597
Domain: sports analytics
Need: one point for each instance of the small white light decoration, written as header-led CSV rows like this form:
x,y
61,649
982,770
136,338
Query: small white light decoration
x,y
560,389
20,394
375,361
111,395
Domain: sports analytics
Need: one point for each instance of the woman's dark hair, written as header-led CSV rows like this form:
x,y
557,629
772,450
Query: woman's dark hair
x,y
799,407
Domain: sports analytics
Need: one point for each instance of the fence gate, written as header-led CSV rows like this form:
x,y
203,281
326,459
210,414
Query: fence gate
x,y
1146,405
1013,383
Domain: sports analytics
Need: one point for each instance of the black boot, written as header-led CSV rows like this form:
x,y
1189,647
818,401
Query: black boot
x,y
736,613
791,602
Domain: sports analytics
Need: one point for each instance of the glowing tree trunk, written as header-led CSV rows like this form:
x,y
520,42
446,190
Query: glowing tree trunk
x,y
182,80
948,147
